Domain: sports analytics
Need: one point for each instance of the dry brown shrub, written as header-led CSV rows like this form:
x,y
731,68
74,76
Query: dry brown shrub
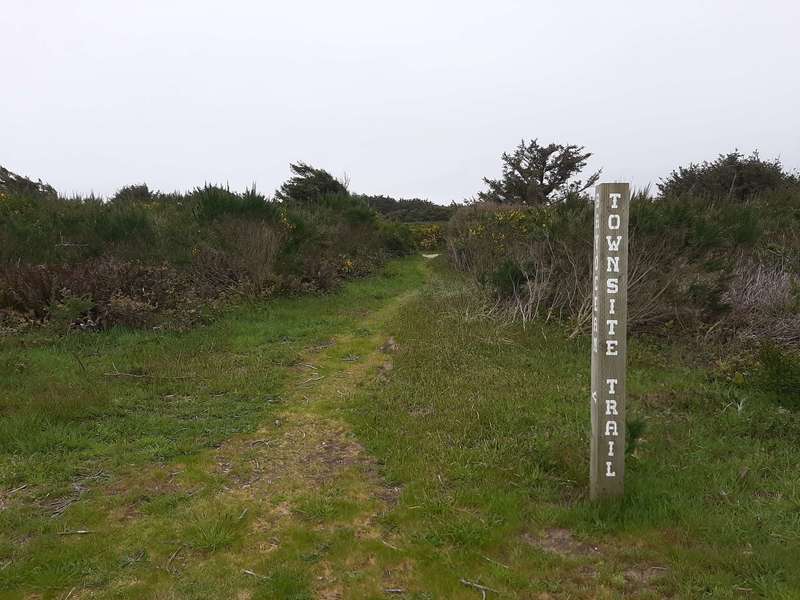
x,y
765,303
28,289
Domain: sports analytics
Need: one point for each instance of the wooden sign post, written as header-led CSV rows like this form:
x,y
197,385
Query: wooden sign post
x,y
609,342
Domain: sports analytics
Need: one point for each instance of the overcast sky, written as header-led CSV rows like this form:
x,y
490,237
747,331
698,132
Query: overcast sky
x,y
411,98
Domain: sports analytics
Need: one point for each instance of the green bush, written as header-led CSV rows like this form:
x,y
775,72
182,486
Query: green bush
x,y
696,264
397,238
732,177
428,236
213,202
143,256
507,279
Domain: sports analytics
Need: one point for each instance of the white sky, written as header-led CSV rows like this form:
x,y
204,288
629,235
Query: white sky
x,y
412,98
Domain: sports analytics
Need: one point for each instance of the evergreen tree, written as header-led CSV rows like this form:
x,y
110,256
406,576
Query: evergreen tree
x,y
310,185
537,175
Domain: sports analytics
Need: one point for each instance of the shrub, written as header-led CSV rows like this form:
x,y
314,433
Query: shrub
x,y
133,193
144,256
214,202
121,310
731,176
68,312
28,289
696,265
397,238
428,236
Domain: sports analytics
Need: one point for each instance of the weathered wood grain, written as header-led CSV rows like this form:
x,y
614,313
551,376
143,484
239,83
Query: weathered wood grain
x,y
609,339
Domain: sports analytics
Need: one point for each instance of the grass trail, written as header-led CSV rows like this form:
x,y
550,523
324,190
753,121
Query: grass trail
x,y
286,452
146,465
486,428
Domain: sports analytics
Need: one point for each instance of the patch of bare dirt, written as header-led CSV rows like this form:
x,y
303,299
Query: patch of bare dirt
x,y
639,578
306,451
642,575
561,541
389,346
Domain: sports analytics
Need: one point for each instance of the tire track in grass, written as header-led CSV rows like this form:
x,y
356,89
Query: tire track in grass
x,y
306,472
262,515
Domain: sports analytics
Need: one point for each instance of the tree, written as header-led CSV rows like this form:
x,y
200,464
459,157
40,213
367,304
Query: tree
x,y
309,185
11,183
732,176
539,175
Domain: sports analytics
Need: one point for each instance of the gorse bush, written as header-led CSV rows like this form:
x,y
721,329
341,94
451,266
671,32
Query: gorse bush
x,y
731,176
429,236
697,263
144,257
213,202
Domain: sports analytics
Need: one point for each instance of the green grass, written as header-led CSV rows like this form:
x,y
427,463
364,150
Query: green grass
x,y
110,432
486,427
278,454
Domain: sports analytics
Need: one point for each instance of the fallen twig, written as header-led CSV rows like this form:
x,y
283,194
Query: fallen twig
x,y
172,557
494,562
265,441
75,532
388,545
69,594
481,588
252,574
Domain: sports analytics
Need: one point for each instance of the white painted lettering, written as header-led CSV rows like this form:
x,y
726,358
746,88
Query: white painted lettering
x,y
613,245
611,323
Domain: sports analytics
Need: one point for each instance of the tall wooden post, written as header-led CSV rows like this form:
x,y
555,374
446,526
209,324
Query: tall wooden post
x,y
609,339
